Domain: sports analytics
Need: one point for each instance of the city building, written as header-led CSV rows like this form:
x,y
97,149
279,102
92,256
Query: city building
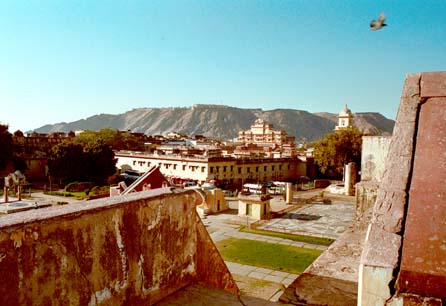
x,y
223,170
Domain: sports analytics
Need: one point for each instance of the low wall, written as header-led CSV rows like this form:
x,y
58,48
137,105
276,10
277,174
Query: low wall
x,y
128,250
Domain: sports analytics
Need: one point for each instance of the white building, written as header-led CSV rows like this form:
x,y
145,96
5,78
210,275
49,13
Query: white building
x,y
202,169
345,119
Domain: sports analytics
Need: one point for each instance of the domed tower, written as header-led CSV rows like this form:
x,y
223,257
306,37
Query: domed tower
x,y
345,119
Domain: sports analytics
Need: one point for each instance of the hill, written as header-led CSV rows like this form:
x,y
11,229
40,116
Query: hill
x,y
219,121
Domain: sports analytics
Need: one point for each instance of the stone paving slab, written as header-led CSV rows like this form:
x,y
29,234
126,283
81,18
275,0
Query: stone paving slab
x,y
280,273
258,275
274,278
263,270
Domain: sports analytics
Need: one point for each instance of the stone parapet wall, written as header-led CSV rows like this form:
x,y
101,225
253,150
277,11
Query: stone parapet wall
x,y
129,250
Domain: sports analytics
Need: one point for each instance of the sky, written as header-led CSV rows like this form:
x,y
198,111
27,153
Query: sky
x,y
62,61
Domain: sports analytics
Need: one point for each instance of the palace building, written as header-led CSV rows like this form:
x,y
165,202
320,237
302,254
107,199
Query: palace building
x,y
264,134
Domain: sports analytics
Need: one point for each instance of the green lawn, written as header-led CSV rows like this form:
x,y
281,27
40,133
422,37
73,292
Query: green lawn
x,y
267,255
307,239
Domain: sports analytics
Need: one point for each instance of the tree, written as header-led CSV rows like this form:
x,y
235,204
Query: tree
x,y
92,161
6,146
100,161
335,150
66,162
117,140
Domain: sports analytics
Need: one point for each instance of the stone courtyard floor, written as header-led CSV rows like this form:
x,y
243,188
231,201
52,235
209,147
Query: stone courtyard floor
x,y
320,220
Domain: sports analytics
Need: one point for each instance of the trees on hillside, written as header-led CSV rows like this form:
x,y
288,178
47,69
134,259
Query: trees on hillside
x,y
337,149
6,146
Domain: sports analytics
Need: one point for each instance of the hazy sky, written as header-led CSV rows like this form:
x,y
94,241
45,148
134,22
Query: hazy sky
x,y
62,61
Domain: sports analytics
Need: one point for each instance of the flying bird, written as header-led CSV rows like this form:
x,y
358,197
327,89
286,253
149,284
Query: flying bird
x,y
378,24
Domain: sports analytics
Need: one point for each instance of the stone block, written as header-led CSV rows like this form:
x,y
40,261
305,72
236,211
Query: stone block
x,y
373,286
430,160
423,264
407,110
381,248
378,262
320,290
413,300
433,84
388,212
411,85
397,174
402,146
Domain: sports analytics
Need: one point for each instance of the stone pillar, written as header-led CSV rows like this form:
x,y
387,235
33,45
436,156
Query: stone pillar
x,y
289,193
5,194
350,178
19,192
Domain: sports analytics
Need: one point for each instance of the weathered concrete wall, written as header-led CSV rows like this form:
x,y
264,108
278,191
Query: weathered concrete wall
x,y
412,186
373,157
129,250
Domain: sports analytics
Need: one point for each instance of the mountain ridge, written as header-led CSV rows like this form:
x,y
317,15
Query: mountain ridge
x,y
221,121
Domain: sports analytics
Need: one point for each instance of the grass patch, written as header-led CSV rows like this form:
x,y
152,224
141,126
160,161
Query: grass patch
x,y
258,283
267,255
80,195
301,238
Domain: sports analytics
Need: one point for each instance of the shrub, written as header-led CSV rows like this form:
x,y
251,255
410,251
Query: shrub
x,y
99,190
78,186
